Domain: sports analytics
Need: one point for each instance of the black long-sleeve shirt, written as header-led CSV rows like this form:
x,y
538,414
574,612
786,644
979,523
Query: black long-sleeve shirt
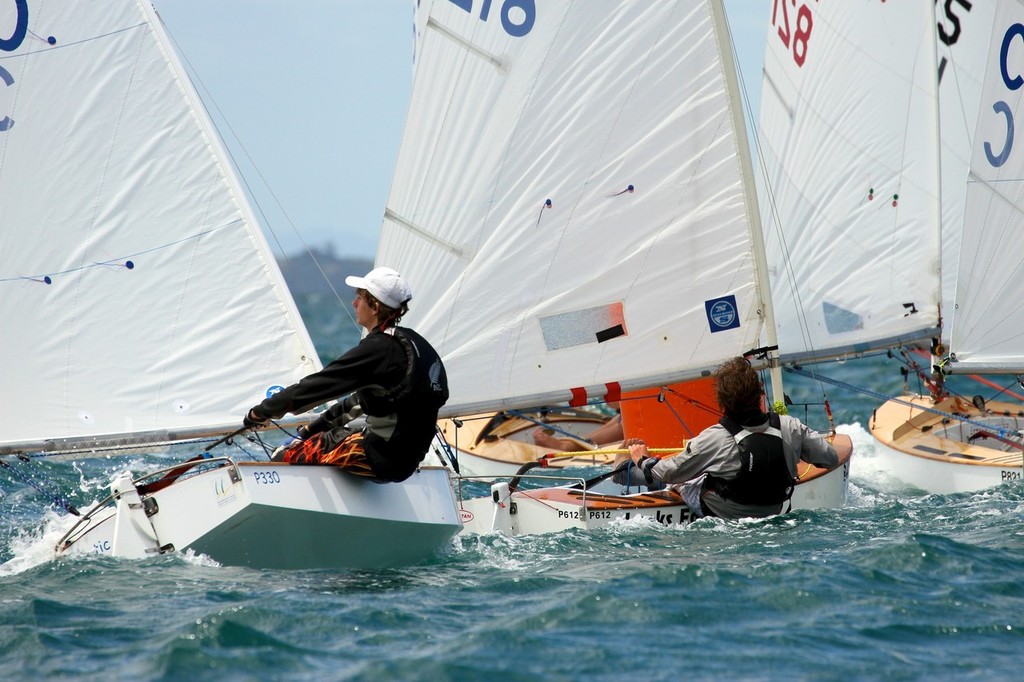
x,y
379,360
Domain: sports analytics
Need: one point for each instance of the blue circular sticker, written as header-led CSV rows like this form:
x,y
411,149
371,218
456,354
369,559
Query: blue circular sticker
x,y
723,313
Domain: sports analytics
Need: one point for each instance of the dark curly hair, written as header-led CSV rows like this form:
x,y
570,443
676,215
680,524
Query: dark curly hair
x,y
738,389
386,315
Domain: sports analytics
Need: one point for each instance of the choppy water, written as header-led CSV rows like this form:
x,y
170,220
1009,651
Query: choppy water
x,y
896,586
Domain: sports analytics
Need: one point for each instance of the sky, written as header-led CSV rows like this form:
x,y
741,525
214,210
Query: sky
x,y
310,98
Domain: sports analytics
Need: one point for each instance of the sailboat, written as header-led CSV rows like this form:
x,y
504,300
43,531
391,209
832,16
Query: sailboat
x,y
848,132
575,195
501,443
942,442
143,306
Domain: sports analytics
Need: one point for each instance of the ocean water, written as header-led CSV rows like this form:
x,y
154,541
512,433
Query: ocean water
x,y
897,585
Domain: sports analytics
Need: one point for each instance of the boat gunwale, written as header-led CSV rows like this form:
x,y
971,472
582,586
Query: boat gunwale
x,y
919,430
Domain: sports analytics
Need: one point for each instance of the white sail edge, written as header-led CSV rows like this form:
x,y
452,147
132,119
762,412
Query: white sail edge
x,y
989,367
921,338
596,393
767,318
231,174
107,445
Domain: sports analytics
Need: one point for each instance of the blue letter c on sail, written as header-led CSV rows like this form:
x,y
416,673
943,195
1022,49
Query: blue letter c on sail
x,y
20,28
1001,107
1014,83
6,122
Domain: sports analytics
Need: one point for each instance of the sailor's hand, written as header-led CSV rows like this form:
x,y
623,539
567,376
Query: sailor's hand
x,y
620,459
251,420
637,449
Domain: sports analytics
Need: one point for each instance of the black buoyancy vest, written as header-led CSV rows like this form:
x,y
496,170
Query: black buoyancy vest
x,y
764,478
425,380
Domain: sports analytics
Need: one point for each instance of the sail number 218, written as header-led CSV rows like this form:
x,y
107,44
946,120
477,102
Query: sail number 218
x,y
794,24
517,16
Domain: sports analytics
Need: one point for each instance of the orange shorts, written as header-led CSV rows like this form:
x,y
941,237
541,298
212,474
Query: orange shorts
x,y
348,454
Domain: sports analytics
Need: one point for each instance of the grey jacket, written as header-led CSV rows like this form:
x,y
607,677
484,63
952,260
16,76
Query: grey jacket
x,y
714,451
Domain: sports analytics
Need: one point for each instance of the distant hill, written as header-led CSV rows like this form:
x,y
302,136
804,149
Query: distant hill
x,y
309,273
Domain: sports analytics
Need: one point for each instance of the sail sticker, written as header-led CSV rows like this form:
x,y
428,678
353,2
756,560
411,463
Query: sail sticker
x,y
580,397
839,320
610,333
588,325
722,313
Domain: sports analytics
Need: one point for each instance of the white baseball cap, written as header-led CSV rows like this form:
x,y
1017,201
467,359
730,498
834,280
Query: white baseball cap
x,y
386,285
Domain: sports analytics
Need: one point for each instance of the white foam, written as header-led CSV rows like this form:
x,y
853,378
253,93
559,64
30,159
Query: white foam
x,y
34,546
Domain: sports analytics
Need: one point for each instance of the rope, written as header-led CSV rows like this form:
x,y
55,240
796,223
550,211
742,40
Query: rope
x,y
58,499
666,403
886,398
807,470
612,451
547,425
453,458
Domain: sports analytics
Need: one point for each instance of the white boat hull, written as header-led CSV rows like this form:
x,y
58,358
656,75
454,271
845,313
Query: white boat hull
x,y
942,478
934,451
275,515
555,509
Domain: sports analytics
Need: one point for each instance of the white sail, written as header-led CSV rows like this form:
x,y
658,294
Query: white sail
x,y
963,36
848,139
420,14
571,202
137,293
988,321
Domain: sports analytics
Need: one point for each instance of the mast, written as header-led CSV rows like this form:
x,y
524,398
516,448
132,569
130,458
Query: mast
x,y
940,346
753,210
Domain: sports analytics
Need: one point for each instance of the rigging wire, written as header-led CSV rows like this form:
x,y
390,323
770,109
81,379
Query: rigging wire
x,y
893,399
57,499
266,222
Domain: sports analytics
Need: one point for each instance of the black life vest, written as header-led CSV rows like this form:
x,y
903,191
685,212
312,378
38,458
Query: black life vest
x,y
425,382
764,478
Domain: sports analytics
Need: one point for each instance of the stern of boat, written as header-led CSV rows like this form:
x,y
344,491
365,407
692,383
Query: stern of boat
x,y
820,488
